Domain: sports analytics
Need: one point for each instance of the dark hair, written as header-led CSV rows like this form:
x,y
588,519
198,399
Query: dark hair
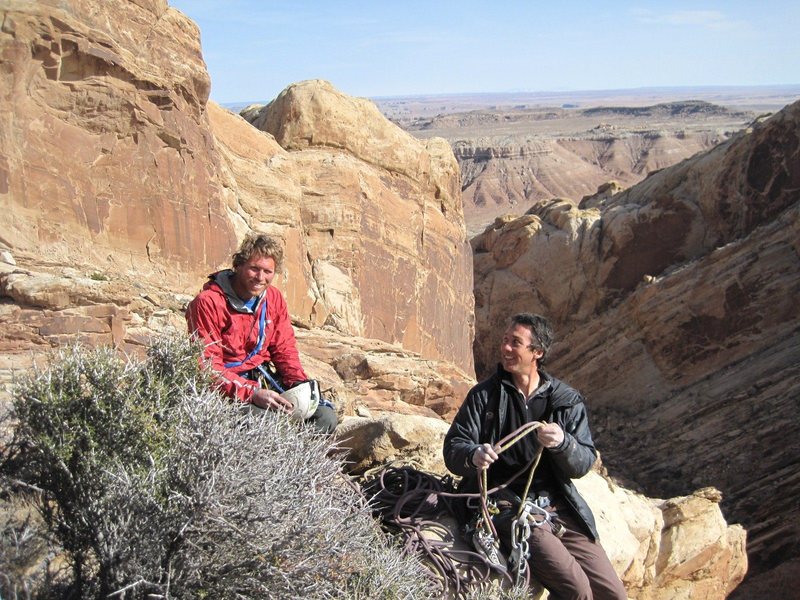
x,y
541,332
258,244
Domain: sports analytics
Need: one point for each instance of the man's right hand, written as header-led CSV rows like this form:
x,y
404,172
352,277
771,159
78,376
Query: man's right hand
x,y
483,456
271,400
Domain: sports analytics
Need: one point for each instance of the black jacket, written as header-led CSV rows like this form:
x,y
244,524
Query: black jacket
x,y
480,420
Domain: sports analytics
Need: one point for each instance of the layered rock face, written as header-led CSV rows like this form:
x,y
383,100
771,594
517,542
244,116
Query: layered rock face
x,y
509,175
675,306
125,187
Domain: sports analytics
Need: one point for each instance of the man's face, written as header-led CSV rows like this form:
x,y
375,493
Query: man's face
x,y
254,276
516,355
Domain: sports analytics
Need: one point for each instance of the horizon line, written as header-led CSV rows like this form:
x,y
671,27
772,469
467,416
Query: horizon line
x,y
554,92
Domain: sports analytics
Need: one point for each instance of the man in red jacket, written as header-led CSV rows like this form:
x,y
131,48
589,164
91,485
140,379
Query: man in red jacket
x,y
244,323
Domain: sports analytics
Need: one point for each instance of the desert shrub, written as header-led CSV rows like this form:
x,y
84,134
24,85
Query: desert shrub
x,y
21,551
152,486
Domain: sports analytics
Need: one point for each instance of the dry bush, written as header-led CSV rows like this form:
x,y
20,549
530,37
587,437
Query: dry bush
x,y
152,486
21,552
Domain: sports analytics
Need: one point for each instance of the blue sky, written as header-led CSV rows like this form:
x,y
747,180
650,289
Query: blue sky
x,y
255,48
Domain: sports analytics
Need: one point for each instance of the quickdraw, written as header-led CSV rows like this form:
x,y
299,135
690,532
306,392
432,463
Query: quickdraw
x,y
521,531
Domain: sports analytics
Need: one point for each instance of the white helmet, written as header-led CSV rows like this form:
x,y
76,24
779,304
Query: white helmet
x,y
304,398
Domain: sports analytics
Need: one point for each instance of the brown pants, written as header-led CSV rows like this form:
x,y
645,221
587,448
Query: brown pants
x,y
572,567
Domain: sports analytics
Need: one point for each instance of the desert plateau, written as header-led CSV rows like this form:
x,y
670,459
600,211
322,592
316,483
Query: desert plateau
x,y
516,149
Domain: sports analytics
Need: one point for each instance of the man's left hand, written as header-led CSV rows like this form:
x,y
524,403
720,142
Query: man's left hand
x,y
550,435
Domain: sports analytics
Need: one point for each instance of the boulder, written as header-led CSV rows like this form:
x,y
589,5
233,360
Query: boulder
x,y
371,443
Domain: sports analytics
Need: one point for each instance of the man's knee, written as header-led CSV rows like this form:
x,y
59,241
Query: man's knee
x,y
569,586
251,409
324,419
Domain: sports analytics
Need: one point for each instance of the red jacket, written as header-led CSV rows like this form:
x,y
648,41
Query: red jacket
x,y
230,332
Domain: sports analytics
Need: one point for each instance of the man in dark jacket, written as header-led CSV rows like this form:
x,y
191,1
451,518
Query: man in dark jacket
x,y
563,552
244,323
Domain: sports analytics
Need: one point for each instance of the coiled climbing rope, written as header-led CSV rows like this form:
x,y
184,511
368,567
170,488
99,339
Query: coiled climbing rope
x,y
409,502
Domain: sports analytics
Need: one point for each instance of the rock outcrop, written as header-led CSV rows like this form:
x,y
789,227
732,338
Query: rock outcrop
x,y
675,305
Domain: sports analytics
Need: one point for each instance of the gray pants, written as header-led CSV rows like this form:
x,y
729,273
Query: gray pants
x,y
324,418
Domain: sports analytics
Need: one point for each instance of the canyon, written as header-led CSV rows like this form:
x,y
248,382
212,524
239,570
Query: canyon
x,y
513,155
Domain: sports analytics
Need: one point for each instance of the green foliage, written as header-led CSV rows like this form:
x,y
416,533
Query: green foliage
x,y
151,485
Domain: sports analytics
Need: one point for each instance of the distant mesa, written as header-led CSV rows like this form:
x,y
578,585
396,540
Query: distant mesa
x,y
666,109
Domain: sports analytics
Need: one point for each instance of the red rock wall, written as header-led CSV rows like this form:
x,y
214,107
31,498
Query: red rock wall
x,y
105,152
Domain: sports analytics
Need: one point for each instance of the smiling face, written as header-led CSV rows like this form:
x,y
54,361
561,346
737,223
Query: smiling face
x,y
516,354
253,276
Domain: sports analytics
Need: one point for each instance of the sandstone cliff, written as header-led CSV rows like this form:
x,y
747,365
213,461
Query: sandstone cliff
x,y
124,186
107,159
118,174
676,306
379,217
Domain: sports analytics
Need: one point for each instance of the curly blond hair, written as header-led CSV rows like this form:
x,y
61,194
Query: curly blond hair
x,y
258,244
